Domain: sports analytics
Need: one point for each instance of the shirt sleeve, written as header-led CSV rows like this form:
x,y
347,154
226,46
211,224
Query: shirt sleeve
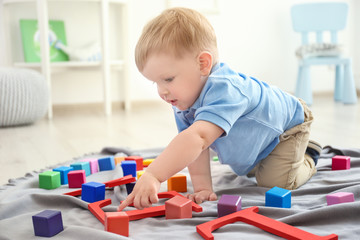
x,y
223,103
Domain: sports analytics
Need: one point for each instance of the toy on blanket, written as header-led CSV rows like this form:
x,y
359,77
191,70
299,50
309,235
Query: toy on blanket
x,y
228,204
178,207
94,165
93,192
129,168
278,197
138,160
76,178
148,161
117,222
340,197
340,162
139,174
82,166
47,223
49,180
250,216
177,183
95,208
106,163
118,159
109,184
64,170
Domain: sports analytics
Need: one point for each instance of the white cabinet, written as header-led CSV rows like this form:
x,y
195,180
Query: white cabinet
x,y
113,58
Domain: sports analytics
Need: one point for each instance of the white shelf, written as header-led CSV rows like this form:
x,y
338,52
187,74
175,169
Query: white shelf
x,y
6,2
60,64
105,65
71,64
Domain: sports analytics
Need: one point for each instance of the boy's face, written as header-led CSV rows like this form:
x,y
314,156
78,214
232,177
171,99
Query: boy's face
x,y
179,80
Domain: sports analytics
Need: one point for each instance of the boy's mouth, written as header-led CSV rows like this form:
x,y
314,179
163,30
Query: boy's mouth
x,y
173,102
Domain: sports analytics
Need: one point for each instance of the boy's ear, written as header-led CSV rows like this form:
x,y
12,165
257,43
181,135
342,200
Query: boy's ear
x,y
205,61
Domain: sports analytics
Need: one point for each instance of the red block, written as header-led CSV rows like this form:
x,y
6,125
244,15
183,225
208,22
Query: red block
x,y
178,207
340,162
117,222
76,178
138,160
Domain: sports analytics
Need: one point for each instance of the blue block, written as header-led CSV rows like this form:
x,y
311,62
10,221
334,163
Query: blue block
x,y
92,192
47,223
278,197
129,168
63,173
106,164
130,187
82,166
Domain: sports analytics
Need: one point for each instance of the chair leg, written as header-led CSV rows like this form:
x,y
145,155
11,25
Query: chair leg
x,y
339,83
303,85
349,90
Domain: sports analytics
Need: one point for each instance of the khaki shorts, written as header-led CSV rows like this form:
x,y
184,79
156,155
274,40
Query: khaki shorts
x,y
287,166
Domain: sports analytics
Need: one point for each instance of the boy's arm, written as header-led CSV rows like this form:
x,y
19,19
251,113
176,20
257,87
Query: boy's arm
x,y
182,150
200,173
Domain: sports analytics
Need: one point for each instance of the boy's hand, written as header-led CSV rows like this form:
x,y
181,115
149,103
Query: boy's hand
x,y
144,193
201,196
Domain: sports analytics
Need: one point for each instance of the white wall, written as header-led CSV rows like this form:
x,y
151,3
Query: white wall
x,y
255,37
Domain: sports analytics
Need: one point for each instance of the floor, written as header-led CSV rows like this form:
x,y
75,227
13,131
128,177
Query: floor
x,y
77,130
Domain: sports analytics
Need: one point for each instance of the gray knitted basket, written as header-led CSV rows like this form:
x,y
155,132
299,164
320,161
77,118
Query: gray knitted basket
x,y
24,96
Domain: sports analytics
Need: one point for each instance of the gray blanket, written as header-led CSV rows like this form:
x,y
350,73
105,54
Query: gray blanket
x,y
21,198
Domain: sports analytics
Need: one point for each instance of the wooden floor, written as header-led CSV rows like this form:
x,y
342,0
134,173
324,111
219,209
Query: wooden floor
x,y
78,130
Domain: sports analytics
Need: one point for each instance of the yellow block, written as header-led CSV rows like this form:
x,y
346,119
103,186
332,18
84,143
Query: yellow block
x,y
147,162
139,173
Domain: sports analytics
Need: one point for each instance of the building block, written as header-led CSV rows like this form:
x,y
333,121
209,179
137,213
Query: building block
x,y
76,178
109,184
117,222
139,162
130,187
139,174
64,170
340,162
94,165
47,223
147,162
250,216
49,180
95,208
278,197
177,208
93,192
228,204
119,159
177,183
106,164
215,159
129,168
340,197
82,166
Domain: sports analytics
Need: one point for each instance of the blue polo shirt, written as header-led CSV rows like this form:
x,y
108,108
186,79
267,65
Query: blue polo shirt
x,y
252,114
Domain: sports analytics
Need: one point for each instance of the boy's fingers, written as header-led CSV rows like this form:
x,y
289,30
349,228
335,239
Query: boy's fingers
x,y
125,203
154,198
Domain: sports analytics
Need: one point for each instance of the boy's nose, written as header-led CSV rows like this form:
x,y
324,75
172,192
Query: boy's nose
x,y
162,91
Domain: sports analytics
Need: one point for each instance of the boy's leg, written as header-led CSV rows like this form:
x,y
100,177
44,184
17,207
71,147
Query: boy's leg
x,y
287,166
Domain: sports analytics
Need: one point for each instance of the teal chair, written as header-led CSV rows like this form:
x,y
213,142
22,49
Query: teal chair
x,y
319,18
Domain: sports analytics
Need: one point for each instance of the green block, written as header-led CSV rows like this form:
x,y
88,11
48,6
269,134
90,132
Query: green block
x,y
215,158
49,180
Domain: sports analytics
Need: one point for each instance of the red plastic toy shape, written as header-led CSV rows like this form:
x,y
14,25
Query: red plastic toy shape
x,y
250,216
112,183
95,208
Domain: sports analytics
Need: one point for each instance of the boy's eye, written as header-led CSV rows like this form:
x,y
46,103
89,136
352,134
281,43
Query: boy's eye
x,y
169,79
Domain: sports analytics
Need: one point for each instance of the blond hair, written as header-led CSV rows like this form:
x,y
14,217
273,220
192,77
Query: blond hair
x,y
176,30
